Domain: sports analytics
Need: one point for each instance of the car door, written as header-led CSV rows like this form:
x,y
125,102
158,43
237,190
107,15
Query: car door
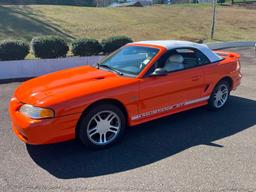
x,y
163,94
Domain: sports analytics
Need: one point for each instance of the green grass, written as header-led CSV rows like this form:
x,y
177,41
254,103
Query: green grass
x,y
189,22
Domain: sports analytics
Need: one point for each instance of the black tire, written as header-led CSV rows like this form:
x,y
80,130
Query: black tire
x,y
90,117
212,101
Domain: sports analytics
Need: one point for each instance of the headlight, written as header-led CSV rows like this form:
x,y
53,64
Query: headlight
x,y
36,112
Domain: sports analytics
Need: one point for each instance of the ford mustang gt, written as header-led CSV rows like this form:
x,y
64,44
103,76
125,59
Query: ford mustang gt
x,y
137,83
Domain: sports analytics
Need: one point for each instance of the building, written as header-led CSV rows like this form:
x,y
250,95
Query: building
x,y
116,3
143,2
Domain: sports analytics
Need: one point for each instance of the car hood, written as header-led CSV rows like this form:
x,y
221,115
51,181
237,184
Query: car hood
x,y
67,84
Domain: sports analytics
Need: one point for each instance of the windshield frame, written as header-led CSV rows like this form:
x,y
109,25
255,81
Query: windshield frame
x,y
123,73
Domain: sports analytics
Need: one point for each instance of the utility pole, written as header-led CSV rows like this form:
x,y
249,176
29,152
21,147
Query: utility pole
x,y
213,17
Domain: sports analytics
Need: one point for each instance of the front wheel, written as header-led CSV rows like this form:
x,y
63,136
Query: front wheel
x,y
219,96
102,126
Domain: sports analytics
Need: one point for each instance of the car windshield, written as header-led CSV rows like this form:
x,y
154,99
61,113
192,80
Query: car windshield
x,y
130,60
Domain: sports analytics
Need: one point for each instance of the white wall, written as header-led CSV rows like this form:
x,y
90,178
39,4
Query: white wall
x,y
231,44
32,68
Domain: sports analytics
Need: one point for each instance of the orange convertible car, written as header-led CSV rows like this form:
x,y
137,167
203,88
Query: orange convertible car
x,y
139,82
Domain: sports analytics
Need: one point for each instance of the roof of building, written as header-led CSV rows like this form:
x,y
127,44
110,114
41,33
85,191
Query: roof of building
x,y
174,44
129,4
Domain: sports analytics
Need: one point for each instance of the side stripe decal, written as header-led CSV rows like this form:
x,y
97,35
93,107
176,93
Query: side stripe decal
x,y
168,108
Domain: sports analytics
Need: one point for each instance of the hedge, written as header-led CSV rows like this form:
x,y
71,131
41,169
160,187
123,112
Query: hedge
x,y
86,47
113,43
49,47
13,50
53,47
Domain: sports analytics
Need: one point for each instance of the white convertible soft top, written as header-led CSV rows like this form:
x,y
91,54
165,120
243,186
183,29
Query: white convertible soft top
x,y
173,44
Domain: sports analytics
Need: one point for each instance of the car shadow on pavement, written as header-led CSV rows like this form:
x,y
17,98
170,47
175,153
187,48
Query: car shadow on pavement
x,y
147,143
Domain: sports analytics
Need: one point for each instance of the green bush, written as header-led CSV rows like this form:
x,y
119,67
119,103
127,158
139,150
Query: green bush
x,y
113,43
86,47
13,50
49,47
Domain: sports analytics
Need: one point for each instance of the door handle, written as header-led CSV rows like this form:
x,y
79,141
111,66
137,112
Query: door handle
x,y
196,78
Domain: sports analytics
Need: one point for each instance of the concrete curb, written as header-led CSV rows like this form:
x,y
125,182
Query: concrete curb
x,y
12,70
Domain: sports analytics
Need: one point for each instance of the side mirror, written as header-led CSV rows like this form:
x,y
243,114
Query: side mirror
x,y
159,72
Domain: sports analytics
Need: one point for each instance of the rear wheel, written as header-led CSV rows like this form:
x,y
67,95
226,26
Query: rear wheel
x,y
219,96
102,126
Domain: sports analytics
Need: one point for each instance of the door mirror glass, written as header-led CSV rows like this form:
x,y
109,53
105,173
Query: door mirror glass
x,y
159,72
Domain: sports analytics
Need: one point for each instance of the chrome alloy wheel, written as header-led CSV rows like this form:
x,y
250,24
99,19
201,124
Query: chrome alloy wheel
x,y
220,96
103,127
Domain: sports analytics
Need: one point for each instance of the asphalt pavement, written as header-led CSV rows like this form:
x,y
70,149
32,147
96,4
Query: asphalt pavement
x,y
196,150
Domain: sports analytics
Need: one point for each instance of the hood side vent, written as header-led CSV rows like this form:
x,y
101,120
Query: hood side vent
x,y
99,78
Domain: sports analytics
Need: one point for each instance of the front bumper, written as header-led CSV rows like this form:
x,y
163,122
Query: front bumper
x,y
43,131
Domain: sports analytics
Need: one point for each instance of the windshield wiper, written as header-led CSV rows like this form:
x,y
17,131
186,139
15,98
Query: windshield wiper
x,y
110,68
